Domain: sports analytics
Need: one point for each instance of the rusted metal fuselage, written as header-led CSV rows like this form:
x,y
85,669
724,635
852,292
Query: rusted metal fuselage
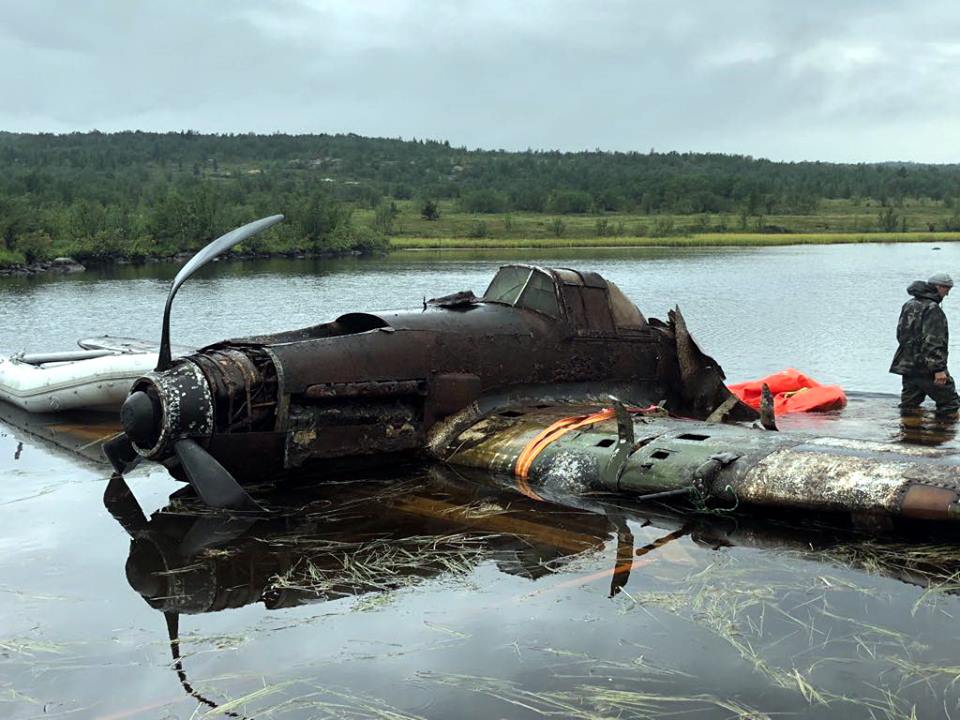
x,y
369,384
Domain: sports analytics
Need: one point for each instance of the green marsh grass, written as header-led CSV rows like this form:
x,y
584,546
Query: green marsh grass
x,y
834,221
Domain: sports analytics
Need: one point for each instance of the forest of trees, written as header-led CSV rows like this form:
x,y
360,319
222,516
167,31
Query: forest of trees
x,y
137,194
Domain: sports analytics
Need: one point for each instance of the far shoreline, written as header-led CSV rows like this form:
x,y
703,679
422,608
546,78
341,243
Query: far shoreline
x,y
699,240
407,244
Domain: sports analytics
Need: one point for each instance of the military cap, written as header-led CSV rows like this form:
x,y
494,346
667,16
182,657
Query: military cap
x,y
941,279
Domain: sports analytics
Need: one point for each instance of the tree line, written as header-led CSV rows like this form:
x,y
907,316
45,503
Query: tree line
x,y
138,194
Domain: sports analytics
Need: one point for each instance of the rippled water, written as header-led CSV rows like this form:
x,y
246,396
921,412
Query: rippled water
x,y
419,593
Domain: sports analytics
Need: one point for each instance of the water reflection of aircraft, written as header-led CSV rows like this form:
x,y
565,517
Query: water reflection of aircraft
x,y
185,559
326,541
395,533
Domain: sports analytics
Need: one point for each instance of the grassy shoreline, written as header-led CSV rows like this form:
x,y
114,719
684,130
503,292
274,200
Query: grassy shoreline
x,y
693,240
12,265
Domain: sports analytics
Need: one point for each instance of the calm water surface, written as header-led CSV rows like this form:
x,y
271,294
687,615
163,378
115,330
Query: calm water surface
x,y
828,310
424,594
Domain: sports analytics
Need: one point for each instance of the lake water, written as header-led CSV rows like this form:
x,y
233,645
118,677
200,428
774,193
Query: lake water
x,y
418,593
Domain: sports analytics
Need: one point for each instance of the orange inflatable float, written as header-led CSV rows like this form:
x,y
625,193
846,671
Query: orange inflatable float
x,y
792,392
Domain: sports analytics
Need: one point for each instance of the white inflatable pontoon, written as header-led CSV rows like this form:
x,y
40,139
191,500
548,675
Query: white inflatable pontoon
x,y
96,377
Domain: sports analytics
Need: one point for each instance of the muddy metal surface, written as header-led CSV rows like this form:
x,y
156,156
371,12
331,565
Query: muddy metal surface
x,y
422,593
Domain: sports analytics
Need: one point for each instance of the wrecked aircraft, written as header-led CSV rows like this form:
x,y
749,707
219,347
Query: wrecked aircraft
x,y
553,375
369,384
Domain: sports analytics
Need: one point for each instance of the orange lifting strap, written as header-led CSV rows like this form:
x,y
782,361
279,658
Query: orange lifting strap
x,y
554,432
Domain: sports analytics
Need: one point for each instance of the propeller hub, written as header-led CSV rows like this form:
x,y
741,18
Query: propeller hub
x,y
140,417
163,407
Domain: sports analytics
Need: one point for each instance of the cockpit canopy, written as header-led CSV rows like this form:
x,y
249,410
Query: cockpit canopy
x,y
592,304
524,286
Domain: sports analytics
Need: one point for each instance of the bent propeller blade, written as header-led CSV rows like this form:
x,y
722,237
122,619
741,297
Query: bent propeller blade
x,y
208,253
213,483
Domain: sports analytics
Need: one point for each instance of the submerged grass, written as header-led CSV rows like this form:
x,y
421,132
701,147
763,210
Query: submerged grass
x,y
591,701
641,666
380,564
325,702
934,567
31,648
792,632
299,697
247,699
12,695
793,629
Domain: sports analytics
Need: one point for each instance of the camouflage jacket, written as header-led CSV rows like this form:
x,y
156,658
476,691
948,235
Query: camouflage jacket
x,y
922,333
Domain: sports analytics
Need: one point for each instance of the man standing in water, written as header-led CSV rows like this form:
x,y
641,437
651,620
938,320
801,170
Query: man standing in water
x,y
921,358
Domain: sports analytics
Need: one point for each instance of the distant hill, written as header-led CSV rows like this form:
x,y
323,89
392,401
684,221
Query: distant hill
x,y
365,169
138,194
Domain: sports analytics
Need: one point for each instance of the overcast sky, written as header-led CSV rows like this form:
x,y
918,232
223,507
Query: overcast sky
x,y
847,80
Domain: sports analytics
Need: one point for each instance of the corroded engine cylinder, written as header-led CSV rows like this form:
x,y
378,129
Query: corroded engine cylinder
x,y
218,391
244,388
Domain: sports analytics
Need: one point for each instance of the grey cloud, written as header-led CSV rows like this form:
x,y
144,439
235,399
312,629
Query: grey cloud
x,y
833,81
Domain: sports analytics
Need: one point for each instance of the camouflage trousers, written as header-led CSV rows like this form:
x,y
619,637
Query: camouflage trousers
x,y
918,387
